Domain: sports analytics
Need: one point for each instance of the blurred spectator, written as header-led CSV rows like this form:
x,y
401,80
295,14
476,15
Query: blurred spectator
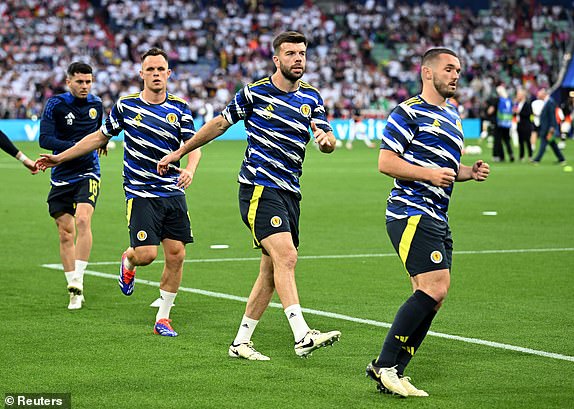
x,y
503,108
523,115
361,55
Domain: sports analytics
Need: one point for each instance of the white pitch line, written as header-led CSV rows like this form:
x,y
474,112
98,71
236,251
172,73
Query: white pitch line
x,y
337,316
340,256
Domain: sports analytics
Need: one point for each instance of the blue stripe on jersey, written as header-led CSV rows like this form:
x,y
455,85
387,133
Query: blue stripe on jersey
x,y
277,125
65,121
151,131
423,135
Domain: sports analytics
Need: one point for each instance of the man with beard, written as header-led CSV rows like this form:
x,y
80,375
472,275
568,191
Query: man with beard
x,y
278,112
421,149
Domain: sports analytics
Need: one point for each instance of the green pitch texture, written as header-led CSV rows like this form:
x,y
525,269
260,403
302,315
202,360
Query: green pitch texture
x,y
106,356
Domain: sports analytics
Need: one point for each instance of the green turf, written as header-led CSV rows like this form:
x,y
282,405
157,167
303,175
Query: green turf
x,y
107,357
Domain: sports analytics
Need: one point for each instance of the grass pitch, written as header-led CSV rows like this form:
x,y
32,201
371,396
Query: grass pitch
x,y
513,277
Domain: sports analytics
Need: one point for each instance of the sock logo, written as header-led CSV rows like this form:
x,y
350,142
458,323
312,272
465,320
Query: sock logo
x,y
410,350
402,338
245,325
292,315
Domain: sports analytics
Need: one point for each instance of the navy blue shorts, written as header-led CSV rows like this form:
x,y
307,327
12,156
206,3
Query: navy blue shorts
x,y
150,220
266,211
422,242
63,199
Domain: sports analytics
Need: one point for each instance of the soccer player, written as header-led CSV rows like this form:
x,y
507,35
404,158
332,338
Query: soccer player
x,y
421,149
278,112
66,119
7,146
154,122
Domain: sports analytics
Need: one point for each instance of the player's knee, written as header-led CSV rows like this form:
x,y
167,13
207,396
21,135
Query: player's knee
x,y
175,256
143,257
439,293
287,259
66,236
82,222
65,232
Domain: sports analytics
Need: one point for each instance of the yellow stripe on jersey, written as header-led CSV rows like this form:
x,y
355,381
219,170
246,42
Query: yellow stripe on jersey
x,y
412,101
253,204
407,237
136,95
176,98
260,82
307,85
129,205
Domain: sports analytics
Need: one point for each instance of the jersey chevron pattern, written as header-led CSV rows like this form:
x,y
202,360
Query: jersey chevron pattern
x,y
423,135
151,131
65,121
277,125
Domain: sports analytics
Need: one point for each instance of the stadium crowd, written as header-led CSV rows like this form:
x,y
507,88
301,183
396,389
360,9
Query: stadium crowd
x,y
361,55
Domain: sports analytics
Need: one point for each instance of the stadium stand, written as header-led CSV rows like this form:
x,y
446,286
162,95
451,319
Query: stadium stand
x,y
362,55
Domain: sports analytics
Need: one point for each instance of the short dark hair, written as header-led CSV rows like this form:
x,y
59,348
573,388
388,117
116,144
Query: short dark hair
x,y
78,68
154,51
293,37
431,54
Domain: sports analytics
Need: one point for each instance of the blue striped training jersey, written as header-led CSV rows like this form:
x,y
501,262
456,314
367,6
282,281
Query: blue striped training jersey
x,y
151,131
423,135
277,125
65,121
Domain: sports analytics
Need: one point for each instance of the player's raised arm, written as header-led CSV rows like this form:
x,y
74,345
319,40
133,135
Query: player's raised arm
x,y
209,131
88,144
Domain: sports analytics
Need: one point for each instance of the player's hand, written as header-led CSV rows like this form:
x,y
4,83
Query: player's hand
x,y
480,171
442,177
322,138
46,161
163,164
31,166
185,178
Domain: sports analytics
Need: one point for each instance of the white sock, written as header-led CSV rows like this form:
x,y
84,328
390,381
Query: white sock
x,y
80,269
245,331
128,265
296,321
69,276
165,304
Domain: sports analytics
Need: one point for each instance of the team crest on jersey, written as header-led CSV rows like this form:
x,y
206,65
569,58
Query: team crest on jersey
x,y
93,113
276,221
142,235
305,110
171,118
436,256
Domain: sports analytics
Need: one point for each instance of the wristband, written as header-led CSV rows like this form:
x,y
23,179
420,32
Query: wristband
x,y
22,157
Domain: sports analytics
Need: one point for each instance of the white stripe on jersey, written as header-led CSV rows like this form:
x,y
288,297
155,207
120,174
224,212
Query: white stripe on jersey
x,y
428,211
148,175
281,183
267,158
405,132
437,151
139,193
